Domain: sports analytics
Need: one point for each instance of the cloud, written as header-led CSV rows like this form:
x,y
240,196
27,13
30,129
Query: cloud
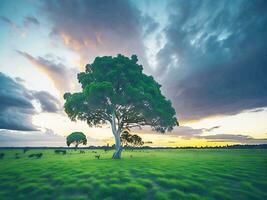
x,y
14,28
30,20
211,129
7,20
257,110
97,27
214,59
244,139
34,138
44,138
149,25
63,78
27,21
187,133
184,132
47,101
16,107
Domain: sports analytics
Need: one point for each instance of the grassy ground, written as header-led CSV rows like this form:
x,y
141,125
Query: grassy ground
x,y
149,174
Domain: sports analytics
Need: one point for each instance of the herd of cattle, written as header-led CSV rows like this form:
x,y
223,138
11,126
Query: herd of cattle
x,y
39,155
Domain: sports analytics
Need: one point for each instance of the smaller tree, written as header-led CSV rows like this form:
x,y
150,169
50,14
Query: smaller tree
x,y
76,138
131,140
126,138
137,141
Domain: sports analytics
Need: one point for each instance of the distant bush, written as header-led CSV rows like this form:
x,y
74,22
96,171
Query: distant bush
x,y
2,155
97,156
58,151
37,155
17,156
82,151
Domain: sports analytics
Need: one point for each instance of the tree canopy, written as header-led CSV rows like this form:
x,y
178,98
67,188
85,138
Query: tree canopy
x,y
115,90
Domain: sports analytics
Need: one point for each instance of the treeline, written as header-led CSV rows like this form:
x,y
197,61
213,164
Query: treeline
x,y
236,146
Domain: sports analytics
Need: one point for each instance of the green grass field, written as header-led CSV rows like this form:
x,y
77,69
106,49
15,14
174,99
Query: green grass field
x,y
149,174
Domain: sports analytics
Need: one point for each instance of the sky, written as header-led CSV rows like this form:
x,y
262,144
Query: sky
x,y
209,56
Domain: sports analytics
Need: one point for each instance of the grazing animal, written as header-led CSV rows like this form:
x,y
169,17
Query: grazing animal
x,y
17,156
58,151
131,156
82,151
37,155
97,156
94,152
2,155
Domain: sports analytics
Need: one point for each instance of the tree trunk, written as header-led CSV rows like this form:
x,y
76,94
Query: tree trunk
x,y
116,133
118,148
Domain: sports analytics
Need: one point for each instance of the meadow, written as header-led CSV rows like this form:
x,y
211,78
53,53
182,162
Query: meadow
x,y
141,174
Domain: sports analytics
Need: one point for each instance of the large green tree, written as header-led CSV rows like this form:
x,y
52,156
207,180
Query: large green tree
x,y
115,90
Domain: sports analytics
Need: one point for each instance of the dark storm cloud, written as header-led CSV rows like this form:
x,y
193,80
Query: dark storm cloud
x,y
16,108
97,27
214,61
63,78
47,101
